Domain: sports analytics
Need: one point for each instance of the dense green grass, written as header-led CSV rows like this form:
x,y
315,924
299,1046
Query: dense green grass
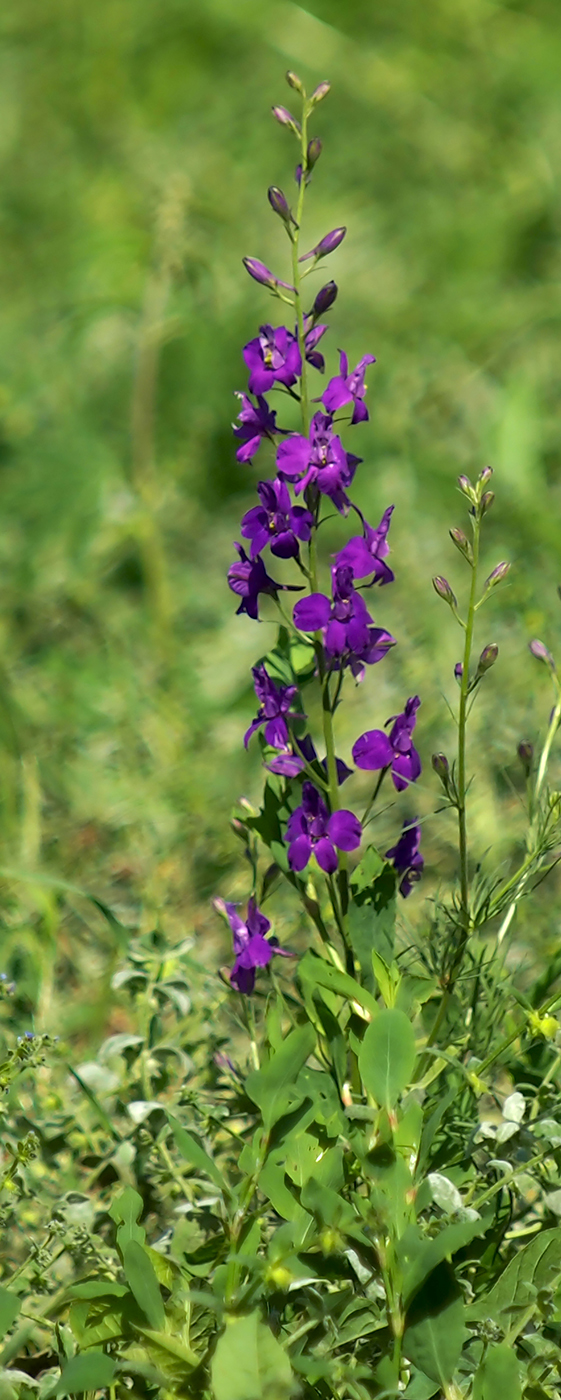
x,y
136,148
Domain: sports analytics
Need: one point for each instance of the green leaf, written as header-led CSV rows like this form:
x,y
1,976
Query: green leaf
x,y
92,1370
430,1253
387,1057
273,1088
435,1333
10,1305
97,1288
322,974
249,1363
498,1376
536,1266
139,1273
125,1211
372,912
194,1153
169,1352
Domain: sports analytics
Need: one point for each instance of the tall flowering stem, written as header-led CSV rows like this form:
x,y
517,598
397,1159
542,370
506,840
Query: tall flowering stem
x,y
462,730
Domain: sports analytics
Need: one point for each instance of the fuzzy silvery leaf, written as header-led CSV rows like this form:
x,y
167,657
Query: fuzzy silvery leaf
x,y
444,1193
140,1109
514,1107
506,1131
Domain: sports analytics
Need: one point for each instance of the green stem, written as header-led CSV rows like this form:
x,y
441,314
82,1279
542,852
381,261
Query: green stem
x,y
521,879
462,729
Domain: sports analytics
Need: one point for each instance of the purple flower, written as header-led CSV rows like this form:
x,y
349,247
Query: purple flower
x,y
256,422
311,830
365,553
288,762
311,337
406,857
249,578
348,634
349,388
273,357
319,459
263,275
274,704
326,245
276,522
324,300
375,750
251,947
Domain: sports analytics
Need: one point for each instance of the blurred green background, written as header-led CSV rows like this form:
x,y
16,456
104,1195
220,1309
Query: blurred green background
x,y
136,146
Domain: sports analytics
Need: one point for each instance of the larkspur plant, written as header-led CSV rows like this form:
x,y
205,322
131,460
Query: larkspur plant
x,y
346,1151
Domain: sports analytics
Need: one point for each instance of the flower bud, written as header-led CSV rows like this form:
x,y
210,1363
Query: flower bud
x,y
324,300
488,657
319,93
458,670
442,587
294,81
465,485
485,475
285,118
541,652
313,152
525,753
279,204
497,574
461,542
486,501
441,767
261,274
326,245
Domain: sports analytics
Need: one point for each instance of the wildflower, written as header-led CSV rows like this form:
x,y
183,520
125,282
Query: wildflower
x,y
276,522
274,704
311,830
375,750
326,245
365,553
319,459
272,357
249,578
349,388
288,762
256,422
311,337
324,300
406,857
279,205
285,118
263,275
251,947
348,634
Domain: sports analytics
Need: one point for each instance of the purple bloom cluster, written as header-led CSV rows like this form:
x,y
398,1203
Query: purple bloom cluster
x,y
312,464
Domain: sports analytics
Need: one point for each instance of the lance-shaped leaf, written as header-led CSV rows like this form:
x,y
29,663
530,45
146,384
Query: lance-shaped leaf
x,y
431,1252
536,1266
387,1057
273,1088
249,1363
194,1153
139,1273
435,1333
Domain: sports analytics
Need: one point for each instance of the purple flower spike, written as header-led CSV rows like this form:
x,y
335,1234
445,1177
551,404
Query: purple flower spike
x,y
272,358
312,831
276,522
249,578
274,704
375,750
318,460
365,554
349,388
262,274
406,857
349,637
251,947
255,424
326,245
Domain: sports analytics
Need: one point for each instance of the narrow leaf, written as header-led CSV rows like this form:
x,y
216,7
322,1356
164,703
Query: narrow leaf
x,y
273,1088
193,1152
139,1273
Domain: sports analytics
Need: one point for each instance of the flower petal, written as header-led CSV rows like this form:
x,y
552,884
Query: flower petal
x,y
372,751
345,830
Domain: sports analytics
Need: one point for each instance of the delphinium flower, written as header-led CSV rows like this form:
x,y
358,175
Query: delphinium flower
x,y
319,460
276,522
251,947
256,422
249,578
312,831
272,358
293,758
349,388
274,704
375,750
349,635
366,553
406,857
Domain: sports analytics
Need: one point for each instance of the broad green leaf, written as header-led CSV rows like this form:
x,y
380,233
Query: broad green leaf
x,y
322,974
372,912
421,1387
430,1253
125,1211
170,1352
273,1088
387,1057
273,1184
537,1265
91,1370
10,1305
249,1363
97,1288
435,1333
139,1273
194,1153
498,1376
